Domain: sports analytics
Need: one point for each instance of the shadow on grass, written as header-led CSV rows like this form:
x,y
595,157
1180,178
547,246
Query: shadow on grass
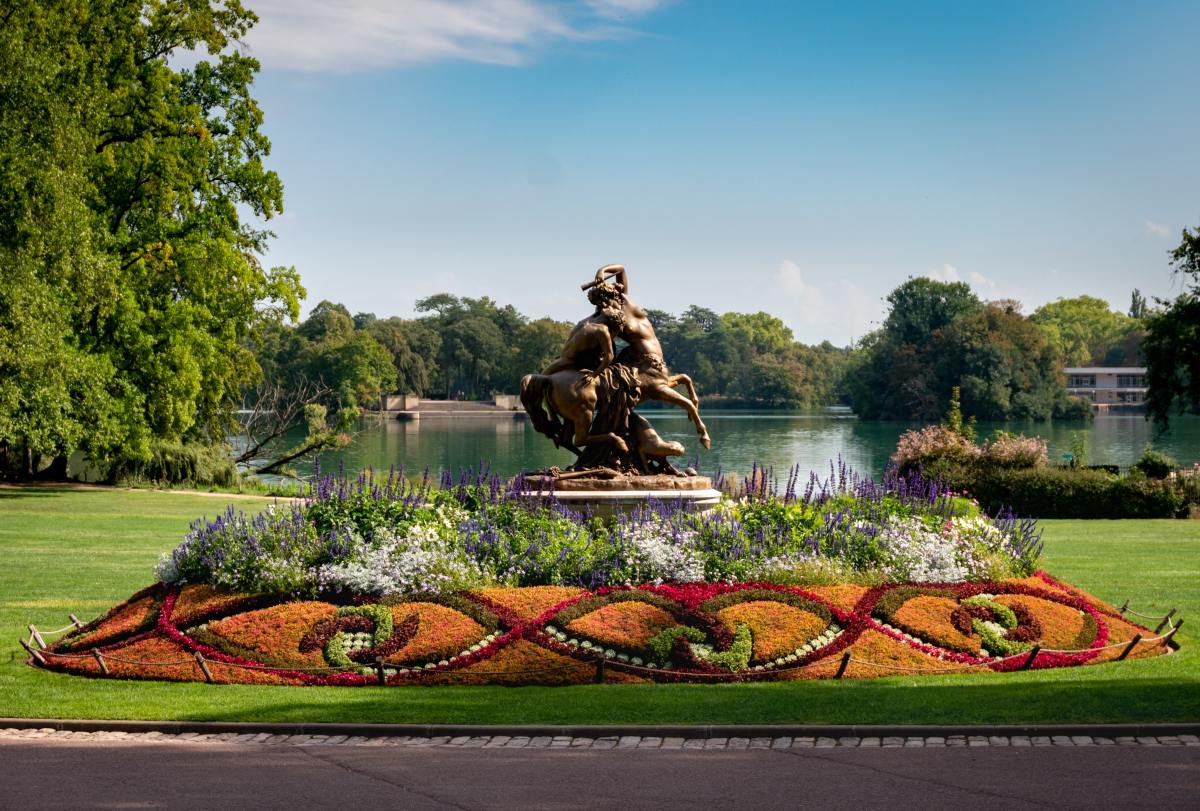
x,y
891,701
30,492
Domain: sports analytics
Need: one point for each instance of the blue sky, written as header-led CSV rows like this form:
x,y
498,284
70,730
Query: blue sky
x,y
797,158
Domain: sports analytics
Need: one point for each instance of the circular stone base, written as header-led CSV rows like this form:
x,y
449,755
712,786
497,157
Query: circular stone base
x,y
671,485
624,494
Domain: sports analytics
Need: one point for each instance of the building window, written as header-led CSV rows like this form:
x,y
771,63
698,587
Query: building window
x,y
1131,381
1081,381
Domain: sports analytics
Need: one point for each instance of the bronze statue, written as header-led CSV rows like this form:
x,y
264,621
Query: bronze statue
x,y
584,399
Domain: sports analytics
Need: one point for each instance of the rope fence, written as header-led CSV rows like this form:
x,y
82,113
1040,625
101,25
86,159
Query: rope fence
x,y
380,667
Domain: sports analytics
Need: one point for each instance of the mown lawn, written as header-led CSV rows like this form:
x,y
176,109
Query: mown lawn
x,y
82,551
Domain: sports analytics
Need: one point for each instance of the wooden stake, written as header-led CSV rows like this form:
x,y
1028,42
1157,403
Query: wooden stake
x,y
599,677
203,666
1124,607
843,665
1033,654
1129,648
41,660
75,620
380,671
37,636
1164,622
100,660
1171,632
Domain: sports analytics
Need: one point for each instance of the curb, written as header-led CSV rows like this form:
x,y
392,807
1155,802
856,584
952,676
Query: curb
x,y
687,731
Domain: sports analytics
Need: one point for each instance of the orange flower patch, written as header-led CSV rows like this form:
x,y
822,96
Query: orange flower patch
x,y
1120,630
229,674
521,663
887,657
442,632
127,619
202,600
1035,582
777,628
1061,624
845,596
1074,591
928,618
155,657
271,635
628,625
530,602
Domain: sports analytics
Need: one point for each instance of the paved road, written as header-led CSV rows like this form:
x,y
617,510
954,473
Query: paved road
x,y
107,770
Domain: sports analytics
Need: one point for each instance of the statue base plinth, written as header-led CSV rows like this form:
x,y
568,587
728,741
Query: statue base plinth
x,y
622,493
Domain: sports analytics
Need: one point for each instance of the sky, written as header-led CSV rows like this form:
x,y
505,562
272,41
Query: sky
x,y
798,158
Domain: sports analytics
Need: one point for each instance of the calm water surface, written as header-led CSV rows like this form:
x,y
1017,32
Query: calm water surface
x,y
740,438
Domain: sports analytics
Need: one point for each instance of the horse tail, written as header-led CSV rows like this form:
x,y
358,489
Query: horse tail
x,y
545,419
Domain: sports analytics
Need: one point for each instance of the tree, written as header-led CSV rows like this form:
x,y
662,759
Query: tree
x,y
939,336
922,306
1085,330
131,285
1137,305
274,410
1172,344
414,347
534,346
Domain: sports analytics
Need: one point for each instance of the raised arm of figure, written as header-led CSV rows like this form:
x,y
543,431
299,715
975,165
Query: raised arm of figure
x,y
616,272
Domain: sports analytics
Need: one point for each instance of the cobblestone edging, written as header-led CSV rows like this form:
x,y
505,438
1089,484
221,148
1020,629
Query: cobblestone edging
x,y
605,742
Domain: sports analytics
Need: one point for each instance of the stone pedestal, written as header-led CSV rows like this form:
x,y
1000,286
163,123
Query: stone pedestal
x,y
623,494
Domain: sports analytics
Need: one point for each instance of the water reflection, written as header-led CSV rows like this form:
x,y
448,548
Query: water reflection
x,y
740,438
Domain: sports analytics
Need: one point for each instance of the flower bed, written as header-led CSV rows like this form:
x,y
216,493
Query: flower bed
x,y
394,537
473,582
706,632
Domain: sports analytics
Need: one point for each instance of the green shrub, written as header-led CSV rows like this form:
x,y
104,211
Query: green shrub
x,y
1075,409
1155,464
1073,493
179,463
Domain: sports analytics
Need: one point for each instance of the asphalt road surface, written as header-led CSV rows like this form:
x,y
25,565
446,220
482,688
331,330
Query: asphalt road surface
x,y
50,773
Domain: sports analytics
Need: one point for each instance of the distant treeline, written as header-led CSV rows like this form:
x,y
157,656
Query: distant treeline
x,y
940,335
937,335
472,348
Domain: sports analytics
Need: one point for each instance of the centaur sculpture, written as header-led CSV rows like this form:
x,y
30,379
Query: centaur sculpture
x,y
584,399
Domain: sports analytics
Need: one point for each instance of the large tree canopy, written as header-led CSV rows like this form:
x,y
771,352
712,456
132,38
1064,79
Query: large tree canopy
x,y
1086,332
939,335
130,283
1172,345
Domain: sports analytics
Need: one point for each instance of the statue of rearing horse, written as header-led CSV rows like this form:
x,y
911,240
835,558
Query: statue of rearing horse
x,y
584,399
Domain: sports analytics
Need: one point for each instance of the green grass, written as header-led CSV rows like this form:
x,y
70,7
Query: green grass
x,y
83,551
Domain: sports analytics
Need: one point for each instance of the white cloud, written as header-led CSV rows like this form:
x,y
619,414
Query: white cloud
x,y
791,280
949,273
946,273
318,35
833,307
1156,229
622,8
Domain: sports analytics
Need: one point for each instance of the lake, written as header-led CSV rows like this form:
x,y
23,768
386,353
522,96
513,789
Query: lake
x,y
740,438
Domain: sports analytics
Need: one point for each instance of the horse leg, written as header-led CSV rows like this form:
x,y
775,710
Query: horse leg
x,y
675,380
581,413
671,397
583,424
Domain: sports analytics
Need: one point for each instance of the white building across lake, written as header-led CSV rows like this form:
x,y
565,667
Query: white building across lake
x,y
1108,387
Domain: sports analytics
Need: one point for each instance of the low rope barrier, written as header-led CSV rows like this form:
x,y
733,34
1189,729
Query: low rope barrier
x,y
1168,615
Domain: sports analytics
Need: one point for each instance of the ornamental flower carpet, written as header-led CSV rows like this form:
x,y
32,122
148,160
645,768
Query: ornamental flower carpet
x,y
557,635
